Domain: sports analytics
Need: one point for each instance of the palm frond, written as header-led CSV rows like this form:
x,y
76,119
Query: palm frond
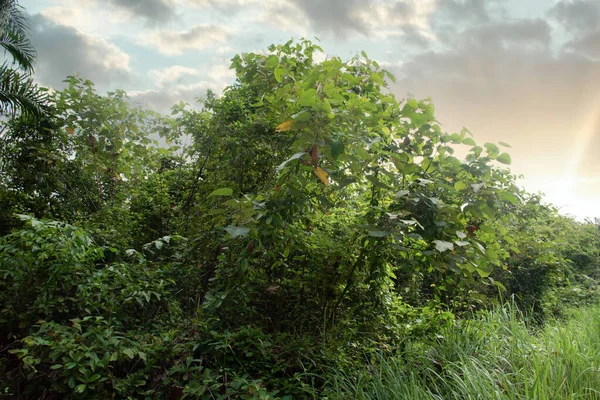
x,y
6,7
20,49
19,94
19,21
14,34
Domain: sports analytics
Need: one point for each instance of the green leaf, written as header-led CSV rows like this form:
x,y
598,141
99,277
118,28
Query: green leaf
x,y
484,269
375,77
504,158
80,388
413,103
302,116
272,61
469,141
221,192
279,72
508,197
491,148
307,98
504,144
362,153
237,231
391,76
337,148
460,186
442,245
129,353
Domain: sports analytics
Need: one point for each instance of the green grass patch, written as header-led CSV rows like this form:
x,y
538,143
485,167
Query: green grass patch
x,y
497,355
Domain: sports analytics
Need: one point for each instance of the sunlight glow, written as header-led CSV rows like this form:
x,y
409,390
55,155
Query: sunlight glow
x,y
564,192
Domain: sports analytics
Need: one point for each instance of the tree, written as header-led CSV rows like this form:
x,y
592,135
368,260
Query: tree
x,y
18,92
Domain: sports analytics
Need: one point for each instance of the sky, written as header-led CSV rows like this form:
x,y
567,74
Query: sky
x,y
525,72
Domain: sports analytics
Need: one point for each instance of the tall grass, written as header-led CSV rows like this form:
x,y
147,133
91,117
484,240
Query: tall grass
x,y
497,355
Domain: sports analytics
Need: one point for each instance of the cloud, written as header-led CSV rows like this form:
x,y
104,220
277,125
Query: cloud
x,y
179,83
588,45
153,11
466,8
506,82
338,16
228,7
225,50
162,99
577,15
525,32
458,10
110,17
64,50
174,74
371,18
196,38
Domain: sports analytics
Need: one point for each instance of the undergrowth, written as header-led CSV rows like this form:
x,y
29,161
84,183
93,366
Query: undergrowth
x,y
499,354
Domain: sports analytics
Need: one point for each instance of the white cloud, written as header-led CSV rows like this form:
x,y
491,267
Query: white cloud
x,y
221,72
229,4
283,15
179,83
374,19
92,17
64,50
393,19
93,14
225,50
153,11
177,42
163,99
172,74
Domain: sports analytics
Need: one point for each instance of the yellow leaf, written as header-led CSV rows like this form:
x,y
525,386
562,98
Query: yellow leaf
x,y
70,130
322,175
284,126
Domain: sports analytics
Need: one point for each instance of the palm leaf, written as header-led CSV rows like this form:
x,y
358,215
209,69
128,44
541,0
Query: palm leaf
x,y
14,34
19,94
20,49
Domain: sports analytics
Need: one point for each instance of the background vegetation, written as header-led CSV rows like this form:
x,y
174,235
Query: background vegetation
x,y
304,234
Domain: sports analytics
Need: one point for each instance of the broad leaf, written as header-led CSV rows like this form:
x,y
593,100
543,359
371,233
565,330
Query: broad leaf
x,y
504,158
460,186
237,231
442,245
337,148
